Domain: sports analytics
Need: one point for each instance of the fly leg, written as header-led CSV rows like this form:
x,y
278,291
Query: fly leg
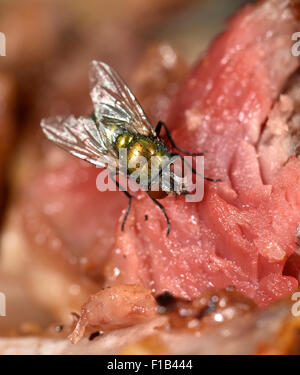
x,y
128,195
163,210
196,172
161,124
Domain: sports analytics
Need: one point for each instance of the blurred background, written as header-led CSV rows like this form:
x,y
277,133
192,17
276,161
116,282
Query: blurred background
x,y
49,45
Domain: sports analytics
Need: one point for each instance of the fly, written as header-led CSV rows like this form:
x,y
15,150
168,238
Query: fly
x,y
117,123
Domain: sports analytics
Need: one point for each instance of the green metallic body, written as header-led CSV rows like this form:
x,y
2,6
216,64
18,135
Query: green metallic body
x,y
151,149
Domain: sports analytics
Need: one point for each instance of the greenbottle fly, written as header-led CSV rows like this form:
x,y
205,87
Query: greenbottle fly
x,y
118,123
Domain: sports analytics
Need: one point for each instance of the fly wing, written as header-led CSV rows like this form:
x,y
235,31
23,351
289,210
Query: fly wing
x,y
114,103
80,137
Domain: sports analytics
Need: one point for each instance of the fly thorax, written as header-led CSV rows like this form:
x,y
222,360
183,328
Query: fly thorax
x,y
145,157
121,144
123,140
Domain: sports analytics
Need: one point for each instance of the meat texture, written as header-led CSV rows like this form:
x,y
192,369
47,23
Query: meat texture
x,y
244,229
273,330
280,138
115,307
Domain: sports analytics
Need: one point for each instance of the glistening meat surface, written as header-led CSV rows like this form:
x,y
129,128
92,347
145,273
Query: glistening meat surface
x,y
115,307
244,230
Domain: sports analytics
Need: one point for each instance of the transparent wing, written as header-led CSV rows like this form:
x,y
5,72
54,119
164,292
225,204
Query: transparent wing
x,y
114,103
79,136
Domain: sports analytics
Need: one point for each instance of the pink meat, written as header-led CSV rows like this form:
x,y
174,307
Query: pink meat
x,y
244,230
68,221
